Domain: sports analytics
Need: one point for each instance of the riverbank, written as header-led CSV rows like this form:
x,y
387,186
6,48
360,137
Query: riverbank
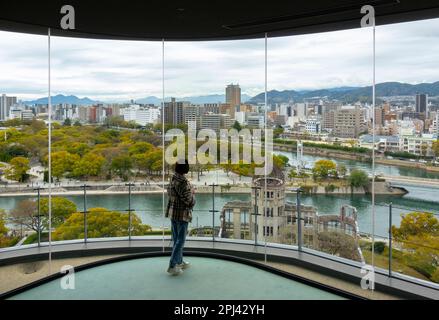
x,y
381,188
355,156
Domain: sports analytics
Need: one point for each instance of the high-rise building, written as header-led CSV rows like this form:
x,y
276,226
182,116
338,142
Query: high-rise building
x,y
379,116
421,103
328,120
226,108
191,115
246,108
211,107
318,109
5,104
233,97
174,111
301,110
216,121
348,122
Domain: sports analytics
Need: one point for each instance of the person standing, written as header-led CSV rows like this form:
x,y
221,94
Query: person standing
x,y
180,204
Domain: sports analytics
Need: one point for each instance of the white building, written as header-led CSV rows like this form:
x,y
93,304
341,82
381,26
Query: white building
x,y
240,117
301,110
313,125
27,115
434,128
382,143
140,115
255,121
420,145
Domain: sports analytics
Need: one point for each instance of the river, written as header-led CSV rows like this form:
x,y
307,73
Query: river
x,y
366,166
149,207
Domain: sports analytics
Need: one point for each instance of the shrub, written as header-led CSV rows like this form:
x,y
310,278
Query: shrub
x,y
379,247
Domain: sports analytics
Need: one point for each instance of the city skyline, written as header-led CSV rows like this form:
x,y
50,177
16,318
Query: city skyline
x,y
108,70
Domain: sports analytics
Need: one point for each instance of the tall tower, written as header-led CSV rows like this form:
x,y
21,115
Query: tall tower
x,y
174,111
421,103
5,105
271,198
233,97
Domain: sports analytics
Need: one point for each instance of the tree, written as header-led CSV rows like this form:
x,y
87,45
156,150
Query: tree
x,y
339,244
341,168
280,161
416,224
26,212
122,165
12,150
292,174
322,168
419,235
351,142
278,131
25,215
435,148
101,223
140,148
3,229
237,126
89,165
67,122
62,208
62,163
18,169
424,149
37,125
5,239
358,178
77,123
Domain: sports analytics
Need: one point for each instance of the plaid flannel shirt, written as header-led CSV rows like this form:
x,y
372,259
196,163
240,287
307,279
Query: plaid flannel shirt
x,y
181,200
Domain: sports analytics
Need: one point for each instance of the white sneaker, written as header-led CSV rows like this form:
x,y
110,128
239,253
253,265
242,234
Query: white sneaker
x,y
184,265
175,271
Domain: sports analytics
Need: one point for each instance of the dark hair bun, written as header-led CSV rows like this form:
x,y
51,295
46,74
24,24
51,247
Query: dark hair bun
x,y
182,168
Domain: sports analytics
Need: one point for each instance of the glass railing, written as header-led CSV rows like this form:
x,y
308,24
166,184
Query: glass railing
x,y
410,250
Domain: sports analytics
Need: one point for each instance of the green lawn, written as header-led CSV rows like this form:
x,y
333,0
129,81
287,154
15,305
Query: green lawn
x,y
398,262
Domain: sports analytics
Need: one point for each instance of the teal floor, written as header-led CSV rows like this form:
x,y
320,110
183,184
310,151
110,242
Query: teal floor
x,y
206,279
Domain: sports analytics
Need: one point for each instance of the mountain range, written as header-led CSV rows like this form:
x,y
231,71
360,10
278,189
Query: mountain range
x,y
350,94
59,99
344,94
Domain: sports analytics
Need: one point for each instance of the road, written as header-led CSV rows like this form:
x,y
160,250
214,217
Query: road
x,y
412,181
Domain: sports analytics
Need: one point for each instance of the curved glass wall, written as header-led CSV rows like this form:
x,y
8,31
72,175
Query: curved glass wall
x,y
305,102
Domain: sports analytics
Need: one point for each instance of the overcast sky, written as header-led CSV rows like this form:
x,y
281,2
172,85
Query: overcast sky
x,y
121,70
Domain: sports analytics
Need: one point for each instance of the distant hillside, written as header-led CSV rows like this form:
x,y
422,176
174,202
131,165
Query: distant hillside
x,y
213,98
350,94
59,99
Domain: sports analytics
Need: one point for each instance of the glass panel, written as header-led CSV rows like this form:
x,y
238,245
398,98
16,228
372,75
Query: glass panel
x,y
412,117
211,83
23,147
309,151
105,156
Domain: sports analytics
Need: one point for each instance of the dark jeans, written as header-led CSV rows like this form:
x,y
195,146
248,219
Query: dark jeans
x,y
179,230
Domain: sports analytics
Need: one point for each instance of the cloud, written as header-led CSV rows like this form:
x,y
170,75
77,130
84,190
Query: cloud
x,y
109,70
